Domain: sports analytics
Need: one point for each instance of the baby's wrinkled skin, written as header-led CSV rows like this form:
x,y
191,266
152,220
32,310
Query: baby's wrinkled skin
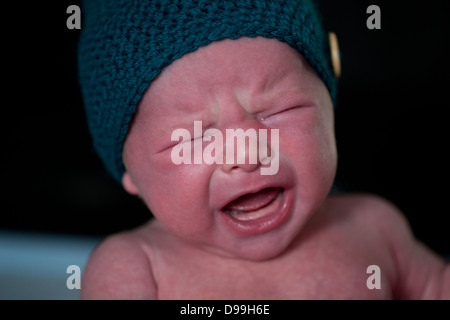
x,y
306,244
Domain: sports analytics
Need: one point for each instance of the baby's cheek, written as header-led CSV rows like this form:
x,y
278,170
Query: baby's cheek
x,y
178,198
311,148
323,164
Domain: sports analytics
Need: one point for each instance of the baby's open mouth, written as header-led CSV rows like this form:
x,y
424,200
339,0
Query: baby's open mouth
x,y
253,206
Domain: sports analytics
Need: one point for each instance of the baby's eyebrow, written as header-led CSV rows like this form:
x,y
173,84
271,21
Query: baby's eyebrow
x,y
292,85
296,68
185,119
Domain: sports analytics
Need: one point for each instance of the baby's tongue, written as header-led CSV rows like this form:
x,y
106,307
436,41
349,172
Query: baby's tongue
x,y
253,201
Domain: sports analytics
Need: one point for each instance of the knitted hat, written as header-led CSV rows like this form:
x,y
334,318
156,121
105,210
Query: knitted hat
x,y
125,44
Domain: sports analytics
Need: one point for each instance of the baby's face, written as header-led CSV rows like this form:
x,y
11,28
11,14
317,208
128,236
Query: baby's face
x,y
231,208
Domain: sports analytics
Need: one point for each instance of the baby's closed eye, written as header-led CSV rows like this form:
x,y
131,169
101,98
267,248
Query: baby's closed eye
x,y
281,115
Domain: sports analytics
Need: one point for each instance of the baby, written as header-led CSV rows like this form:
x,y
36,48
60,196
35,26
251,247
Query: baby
x,y
222,229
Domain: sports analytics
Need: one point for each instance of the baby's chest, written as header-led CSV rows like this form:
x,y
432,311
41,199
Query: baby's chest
x,y
325,279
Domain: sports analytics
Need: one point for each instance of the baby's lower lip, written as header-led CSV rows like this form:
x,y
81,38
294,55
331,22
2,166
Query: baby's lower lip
x,y
264,218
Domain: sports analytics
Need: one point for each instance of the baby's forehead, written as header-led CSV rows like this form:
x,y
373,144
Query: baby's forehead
x,y
251,64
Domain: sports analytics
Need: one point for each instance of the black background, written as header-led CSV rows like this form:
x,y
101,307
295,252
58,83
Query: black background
x,y
391,120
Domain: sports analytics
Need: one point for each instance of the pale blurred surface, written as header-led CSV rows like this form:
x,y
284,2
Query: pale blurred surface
x,y
33,266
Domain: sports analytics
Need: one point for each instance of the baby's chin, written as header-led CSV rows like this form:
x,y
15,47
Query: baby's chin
x,y
257,248
261,250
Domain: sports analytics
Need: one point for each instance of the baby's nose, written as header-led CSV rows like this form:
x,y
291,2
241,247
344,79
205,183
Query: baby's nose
x,y
242,150
241,158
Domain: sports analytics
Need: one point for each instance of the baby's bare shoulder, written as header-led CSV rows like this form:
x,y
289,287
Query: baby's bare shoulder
x,y
419,272
367,211
369,220
119,268
375,218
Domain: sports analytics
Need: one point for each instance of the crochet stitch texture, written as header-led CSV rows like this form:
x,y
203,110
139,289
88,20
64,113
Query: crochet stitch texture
x,y
125,44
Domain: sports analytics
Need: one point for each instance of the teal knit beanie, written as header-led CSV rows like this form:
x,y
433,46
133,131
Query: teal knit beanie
x,y
125,44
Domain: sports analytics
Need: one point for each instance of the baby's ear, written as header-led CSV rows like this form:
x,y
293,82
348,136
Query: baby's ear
x,y
128,184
